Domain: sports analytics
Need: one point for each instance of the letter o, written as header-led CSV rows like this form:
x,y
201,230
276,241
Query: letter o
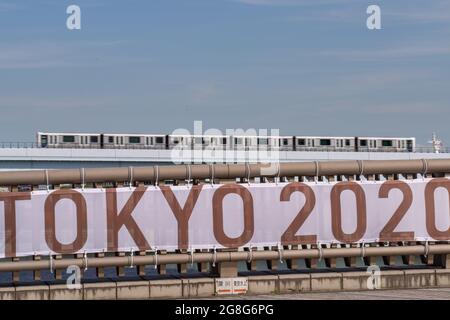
x,y
50,225
249,226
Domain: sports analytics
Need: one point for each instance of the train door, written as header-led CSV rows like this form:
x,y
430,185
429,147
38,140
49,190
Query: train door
x,y
101,140
44,141
409,146
356,144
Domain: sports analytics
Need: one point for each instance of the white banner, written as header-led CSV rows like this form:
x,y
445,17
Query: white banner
x,y
206,216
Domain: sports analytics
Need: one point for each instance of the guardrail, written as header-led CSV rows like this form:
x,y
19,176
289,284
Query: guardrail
x,y
218,257
224,262
34,145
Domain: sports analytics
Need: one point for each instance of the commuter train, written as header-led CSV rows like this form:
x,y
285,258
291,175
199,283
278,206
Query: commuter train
x,y
245,142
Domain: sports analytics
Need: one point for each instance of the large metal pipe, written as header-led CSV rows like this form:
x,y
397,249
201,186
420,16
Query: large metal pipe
x,y
223,171
235,256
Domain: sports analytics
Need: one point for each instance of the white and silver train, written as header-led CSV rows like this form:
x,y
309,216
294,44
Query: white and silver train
x,y
283,143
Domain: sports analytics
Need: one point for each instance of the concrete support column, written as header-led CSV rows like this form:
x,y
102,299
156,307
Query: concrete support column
x,y
227,269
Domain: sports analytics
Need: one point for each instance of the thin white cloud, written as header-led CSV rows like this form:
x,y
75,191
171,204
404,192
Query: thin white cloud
x,y
201,93
38,55
436,11
431,12
402,52
290,2
55,103
409,108
8,6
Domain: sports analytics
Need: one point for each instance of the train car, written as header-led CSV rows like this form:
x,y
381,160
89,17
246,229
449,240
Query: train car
x,y
383,144
199,141
286,143
180,141
135,141
217,141
68,140
324,143
100,140
249,142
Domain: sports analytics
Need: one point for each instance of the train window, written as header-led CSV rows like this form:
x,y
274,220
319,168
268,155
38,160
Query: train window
x,y
285,142
110,139
224,140
262,141
175,141
134,139
301,142
159,140
363,143
325,142
386,143
94,139
44,141
347,142
68,139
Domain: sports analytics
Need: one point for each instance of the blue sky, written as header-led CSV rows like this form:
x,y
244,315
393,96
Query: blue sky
x,y
303,66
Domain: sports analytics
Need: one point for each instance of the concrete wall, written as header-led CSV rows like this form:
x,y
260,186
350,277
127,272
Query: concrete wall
x,y
30,158
204,287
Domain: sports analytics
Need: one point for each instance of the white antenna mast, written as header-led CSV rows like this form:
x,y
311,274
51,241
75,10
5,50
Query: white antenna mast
x,y
436,143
